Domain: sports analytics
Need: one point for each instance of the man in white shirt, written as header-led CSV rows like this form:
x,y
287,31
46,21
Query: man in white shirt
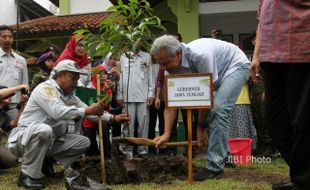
x,y
230,70
13,67
141,93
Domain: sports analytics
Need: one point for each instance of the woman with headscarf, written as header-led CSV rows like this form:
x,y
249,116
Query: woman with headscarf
x,y
55,51
46,62
110,64
75,51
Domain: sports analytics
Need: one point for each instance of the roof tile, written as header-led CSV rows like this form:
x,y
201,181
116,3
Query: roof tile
x,y
62,23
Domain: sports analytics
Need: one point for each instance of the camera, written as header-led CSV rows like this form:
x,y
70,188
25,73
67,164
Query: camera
x,y
111,77
24,91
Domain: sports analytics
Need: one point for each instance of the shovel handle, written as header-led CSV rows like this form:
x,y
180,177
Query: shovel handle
x,y
173,144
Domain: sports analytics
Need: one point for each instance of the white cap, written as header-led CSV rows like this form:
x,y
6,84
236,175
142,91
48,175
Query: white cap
x,y
69,65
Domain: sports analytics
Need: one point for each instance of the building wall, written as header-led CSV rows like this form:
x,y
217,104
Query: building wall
x,y
78,6
236,19
168,18
8,12
46,4
187,13
228,6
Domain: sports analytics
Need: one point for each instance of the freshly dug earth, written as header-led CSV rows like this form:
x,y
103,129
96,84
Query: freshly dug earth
x,y
161,170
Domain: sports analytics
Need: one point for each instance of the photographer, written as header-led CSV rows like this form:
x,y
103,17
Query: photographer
x,y
110,64
8,92
7,160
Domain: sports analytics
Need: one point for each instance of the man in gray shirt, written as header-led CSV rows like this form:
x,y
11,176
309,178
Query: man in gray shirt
x,y
13,67
47,126
230,70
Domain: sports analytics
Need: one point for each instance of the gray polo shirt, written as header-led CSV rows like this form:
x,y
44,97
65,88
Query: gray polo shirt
x,y
207,55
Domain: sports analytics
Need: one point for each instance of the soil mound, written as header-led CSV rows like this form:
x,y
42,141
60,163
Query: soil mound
x,y
163,169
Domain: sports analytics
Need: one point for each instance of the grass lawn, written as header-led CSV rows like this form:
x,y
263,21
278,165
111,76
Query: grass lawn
x,y
256,176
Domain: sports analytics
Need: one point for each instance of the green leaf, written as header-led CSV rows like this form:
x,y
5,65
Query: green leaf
x,y
127,25
112,8
120,3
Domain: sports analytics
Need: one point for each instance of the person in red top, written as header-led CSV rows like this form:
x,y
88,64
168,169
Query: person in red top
x,y
90,127
283,52
75,51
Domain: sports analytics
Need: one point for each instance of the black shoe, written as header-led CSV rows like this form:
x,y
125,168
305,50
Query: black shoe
x,y
208,174
28,182
283,186
230,165
76,181
47,167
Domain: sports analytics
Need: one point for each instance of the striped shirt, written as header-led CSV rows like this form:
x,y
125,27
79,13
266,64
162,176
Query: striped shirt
x,y
285,30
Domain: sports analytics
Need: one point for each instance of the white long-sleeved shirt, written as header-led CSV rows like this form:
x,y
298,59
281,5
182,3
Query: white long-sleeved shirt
x,y
141,82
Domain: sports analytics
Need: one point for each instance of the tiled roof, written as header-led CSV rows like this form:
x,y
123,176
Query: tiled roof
x,y
152,2
65,23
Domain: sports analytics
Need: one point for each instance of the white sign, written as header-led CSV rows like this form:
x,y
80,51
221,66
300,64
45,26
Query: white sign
x,y
189,91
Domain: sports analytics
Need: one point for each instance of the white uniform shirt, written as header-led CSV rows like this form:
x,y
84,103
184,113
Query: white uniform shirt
x,y
13,71
141,82
48,105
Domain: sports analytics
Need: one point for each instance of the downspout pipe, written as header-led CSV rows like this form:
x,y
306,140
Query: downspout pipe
x,y
17,23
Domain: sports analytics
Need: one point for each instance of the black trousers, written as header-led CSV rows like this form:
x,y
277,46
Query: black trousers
x,y
154,113
93,150
195,114
288,115
116,127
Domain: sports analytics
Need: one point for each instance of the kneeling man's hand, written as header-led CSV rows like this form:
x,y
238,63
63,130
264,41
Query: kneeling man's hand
x,y
94,109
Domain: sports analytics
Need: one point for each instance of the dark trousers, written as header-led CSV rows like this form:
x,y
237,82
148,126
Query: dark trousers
x,y
194,122
288,118
116,127
154,113
258,106
93,150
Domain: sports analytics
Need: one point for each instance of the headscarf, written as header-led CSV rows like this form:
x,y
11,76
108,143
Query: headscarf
x,y
69,53
42,59
52,48
105,62
98,69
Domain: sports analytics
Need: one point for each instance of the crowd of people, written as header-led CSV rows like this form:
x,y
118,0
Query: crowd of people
x,y
264,97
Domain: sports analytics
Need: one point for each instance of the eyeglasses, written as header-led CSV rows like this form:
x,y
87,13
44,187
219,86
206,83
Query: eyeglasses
x,y
74,76
166,61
